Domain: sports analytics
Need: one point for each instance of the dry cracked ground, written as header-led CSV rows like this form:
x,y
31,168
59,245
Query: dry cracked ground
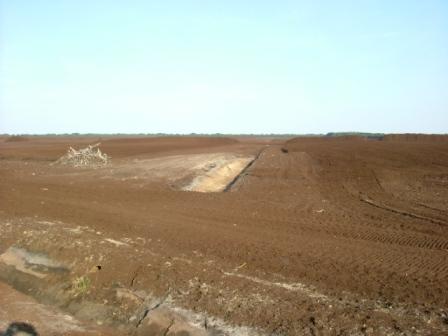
x,y
226,236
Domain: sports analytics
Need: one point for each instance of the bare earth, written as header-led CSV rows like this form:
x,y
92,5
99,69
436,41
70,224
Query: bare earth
x,y
316,237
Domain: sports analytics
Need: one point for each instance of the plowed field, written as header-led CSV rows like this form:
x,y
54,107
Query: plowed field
x,y
317,236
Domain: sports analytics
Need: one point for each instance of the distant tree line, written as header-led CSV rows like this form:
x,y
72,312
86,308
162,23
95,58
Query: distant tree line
x,y
267,135
378,136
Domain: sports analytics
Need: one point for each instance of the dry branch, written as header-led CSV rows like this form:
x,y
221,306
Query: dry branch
x,y
91,156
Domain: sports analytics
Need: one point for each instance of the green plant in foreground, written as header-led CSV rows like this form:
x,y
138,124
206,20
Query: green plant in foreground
x,y
80,285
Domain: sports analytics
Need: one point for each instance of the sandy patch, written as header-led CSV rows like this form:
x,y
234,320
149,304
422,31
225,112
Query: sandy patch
x,y
210,172
223,172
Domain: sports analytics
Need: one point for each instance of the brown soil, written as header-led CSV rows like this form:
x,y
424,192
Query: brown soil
x,y
46,321
16,138
326,237
417,137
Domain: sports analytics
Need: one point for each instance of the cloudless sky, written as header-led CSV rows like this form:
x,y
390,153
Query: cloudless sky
x,y
223,66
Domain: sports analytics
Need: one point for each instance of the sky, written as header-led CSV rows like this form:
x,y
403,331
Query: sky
x,y
234,66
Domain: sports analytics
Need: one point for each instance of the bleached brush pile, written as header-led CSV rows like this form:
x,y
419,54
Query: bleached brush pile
x,y
91,156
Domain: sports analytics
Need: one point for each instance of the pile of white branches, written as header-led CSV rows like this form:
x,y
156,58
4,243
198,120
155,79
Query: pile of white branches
x,y
91,156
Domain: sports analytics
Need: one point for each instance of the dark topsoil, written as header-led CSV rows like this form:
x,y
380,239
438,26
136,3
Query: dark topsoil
x,y
357,230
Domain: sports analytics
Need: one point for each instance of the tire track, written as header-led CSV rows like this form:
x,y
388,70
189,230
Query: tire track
x,y
402,212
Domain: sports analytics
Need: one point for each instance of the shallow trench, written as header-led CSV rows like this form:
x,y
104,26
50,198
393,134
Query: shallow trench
x,y
44,295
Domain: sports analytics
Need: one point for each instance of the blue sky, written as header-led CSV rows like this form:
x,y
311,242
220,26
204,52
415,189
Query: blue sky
x,y
223,66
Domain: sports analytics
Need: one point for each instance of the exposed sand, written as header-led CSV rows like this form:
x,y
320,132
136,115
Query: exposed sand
x,y
221,172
